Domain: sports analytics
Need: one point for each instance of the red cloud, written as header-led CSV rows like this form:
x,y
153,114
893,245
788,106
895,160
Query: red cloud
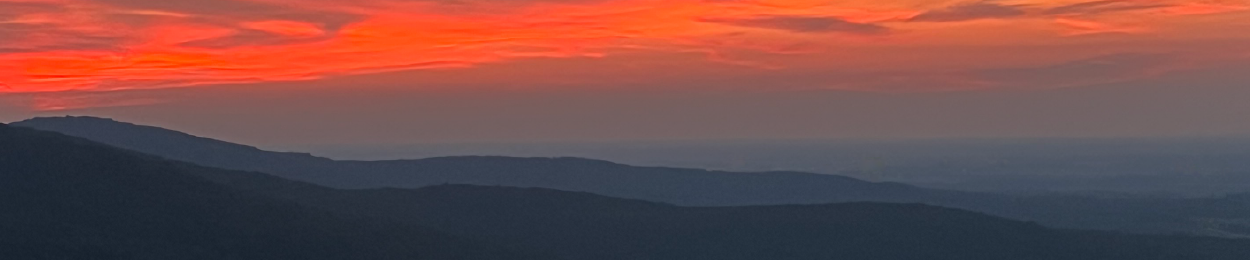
x,y
1105,6
1205,8
971,11
128,44
288,28
802,24
1083,27
44,103
101,45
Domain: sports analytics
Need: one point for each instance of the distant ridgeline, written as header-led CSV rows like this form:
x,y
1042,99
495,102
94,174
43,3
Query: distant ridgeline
x,y
71,198
1226,216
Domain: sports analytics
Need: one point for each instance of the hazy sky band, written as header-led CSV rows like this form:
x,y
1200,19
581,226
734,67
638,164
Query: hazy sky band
x,y
281,71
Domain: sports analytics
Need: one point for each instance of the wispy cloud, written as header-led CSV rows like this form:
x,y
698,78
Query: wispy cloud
x,y
1077,27
971,11
1106,6
1104,69
1206,8
112,45
801,24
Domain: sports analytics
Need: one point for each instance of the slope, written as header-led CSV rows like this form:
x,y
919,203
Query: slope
x,y
673,185
1228,217
68,198
82,200
586,226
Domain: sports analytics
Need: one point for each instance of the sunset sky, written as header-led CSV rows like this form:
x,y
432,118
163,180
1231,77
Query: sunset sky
x,y
592,69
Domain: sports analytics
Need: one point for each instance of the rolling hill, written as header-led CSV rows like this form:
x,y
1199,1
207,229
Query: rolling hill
x,y
693,187
84,200
69,198
1224,216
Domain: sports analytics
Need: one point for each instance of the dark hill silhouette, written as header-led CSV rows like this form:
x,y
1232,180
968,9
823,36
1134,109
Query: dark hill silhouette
x,y
688,187
68,198
83,200
587,226
673,185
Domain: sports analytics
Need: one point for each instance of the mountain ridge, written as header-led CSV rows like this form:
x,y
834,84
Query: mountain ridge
x,y
71,198
85,200
687,187
700,187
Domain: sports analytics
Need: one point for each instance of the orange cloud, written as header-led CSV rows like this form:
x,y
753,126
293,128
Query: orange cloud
x,y
1078,27
46,103
104,45
1105,6
971,11
174,50
802,24
288,28
1206,8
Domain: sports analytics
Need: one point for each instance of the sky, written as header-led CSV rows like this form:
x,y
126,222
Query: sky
x,y
386,71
